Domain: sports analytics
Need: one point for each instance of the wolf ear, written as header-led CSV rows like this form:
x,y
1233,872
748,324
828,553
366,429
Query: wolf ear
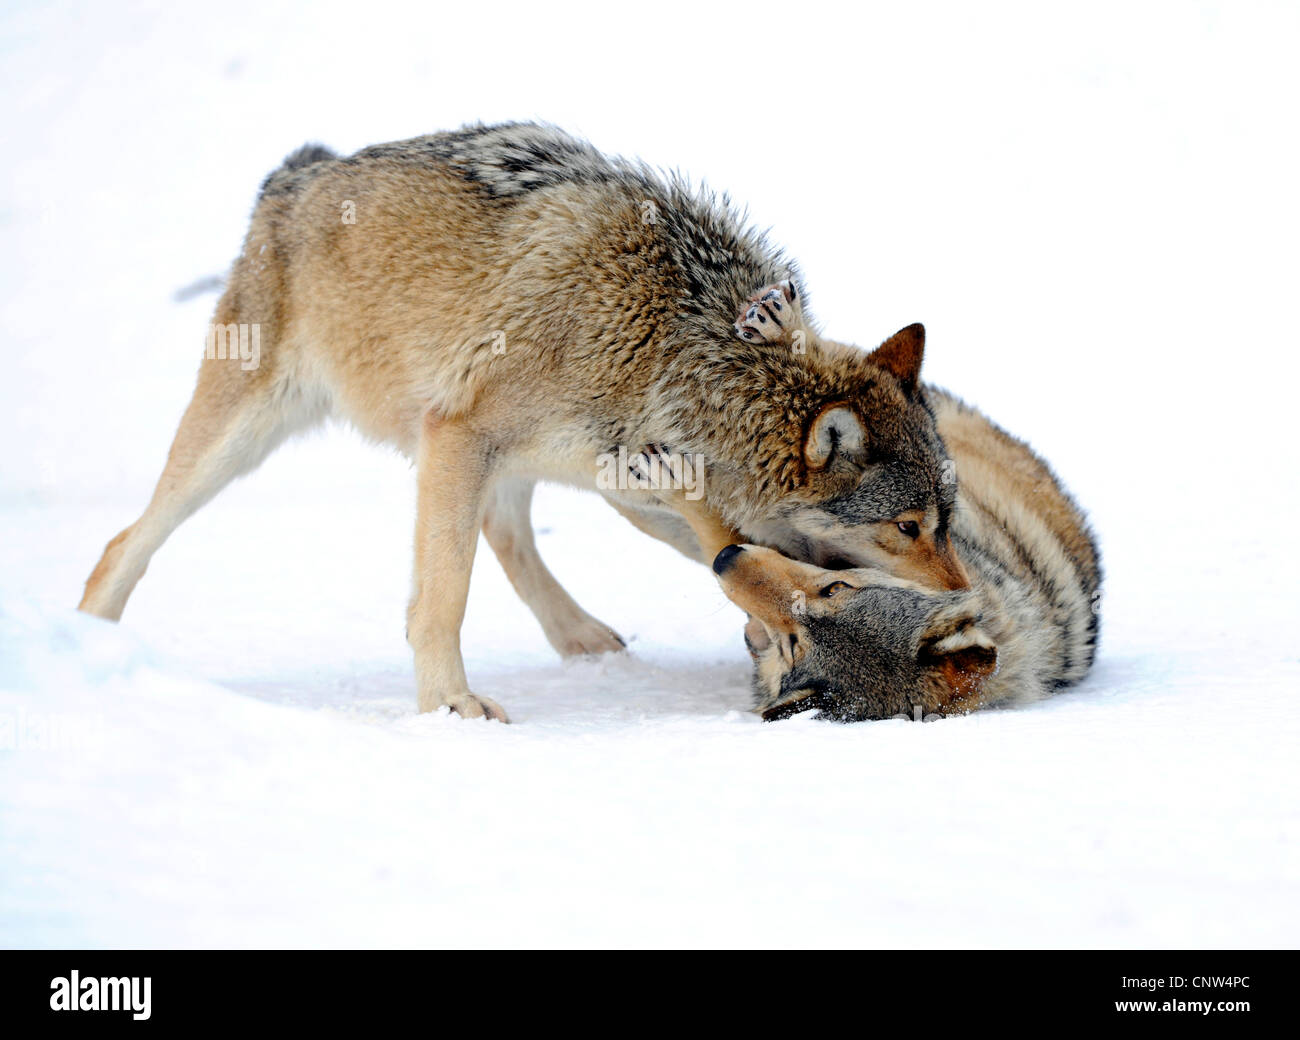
x,y
964,671
901,355
837,430
963,658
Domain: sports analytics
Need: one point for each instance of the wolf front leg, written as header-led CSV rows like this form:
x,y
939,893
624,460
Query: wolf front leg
x,y
646,471
709,527
453,470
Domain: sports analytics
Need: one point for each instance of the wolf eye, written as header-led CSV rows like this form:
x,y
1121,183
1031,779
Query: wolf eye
x,y
834,587
910,528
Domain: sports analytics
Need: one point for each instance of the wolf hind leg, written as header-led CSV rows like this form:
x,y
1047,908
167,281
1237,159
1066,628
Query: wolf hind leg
x,y
508,527
235,419
773,314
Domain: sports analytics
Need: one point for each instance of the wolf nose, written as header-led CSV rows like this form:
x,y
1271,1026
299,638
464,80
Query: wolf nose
x,y
723,560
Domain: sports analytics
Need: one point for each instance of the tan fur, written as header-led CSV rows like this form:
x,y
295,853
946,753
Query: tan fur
x,y
501,311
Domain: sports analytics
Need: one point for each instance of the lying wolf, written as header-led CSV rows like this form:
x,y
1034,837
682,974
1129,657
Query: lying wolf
x,y
863,643
505,304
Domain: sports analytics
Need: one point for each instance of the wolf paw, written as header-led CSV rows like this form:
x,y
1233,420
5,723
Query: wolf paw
x,y
586,637
657,470
771,313
471,706
646,469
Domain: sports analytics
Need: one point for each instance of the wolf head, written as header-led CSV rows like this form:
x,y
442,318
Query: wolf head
x,y
855,644
874,486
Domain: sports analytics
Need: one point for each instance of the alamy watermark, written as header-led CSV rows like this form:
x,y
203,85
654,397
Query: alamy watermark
x,y
49,731
241,342
126,993
622,470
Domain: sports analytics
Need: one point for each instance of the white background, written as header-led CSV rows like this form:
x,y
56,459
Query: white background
x,y
1092,208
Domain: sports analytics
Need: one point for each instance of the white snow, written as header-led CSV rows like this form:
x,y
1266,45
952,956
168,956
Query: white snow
x,y
1095,214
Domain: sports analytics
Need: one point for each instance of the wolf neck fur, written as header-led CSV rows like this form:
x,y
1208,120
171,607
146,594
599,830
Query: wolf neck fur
x,y
752,404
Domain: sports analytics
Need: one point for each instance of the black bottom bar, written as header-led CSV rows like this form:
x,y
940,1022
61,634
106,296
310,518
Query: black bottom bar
x,y
611,992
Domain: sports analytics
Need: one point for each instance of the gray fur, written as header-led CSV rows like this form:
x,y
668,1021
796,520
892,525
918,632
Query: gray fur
x,y
288,176
1033,602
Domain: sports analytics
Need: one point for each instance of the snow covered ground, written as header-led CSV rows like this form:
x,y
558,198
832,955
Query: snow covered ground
x,y
1094,213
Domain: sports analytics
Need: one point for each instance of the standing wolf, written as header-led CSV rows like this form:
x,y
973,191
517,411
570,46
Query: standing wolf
x,y
505,304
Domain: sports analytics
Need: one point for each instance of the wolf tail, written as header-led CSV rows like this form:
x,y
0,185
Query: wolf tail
x,y
286,177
